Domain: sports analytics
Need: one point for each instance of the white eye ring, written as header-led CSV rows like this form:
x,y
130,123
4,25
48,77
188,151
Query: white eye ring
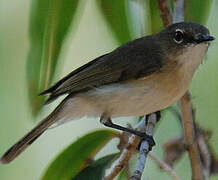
x,y
178,36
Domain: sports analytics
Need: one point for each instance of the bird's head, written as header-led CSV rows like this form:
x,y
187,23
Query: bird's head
x,y
186,34
178,37
187,40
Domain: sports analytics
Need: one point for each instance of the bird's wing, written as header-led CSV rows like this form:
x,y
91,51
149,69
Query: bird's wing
x,y
131,61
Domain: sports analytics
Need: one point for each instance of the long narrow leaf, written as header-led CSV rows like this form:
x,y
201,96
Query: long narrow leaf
x,y
115,14
155,18
49,24
122,175
139,18
197,10
75,157
96,170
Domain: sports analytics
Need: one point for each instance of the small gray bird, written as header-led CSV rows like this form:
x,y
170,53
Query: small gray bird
x,y
143,76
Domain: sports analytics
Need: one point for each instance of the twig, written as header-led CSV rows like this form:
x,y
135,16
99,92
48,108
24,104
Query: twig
x,y
178,14
144,147
206,157
166,14
187,117
189,138
164,166
124,158
127,171
126,153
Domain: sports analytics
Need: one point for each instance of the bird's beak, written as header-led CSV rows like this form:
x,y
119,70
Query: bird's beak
x,y
203,38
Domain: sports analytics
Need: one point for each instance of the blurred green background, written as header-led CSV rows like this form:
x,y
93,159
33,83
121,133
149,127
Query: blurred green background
x,y
91,39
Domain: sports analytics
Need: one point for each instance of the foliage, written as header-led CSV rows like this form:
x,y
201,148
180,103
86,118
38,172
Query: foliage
x,y
76,156
115,14
49,24
193,7
96,169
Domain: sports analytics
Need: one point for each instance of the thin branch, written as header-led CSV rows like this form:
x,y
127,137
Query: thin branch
x,y
178,14
127,171
189,138
124,158
126,153
164,166
206,156
187,117
166,14
144,147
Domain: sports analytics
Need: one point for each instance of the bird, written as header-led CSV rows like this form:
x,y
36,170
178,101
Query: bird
x,y
140,77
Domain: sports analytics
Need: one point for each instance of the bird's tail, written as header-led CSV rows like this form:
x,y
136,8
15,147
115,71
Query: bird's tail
x,y
30,137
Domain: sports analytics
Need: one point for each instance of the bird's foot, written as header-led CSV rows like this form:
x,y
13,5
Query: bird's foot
x,y
147,138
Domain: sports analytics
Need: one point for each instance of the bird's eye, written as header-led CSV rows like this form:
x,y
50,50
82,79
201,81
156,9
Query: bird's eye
x,y
178,37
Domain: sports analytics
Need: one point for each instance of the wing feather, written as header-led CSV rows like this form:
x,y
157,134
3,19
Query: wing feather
x,y
131,61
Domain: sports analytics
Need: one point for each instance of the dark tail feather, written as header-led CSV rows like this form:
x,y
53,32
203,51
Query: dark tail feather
x,y
21,145
28,139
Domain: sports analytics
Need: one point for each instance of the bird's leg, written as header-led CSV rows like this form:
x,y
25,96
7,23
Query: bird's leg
x,y
106,120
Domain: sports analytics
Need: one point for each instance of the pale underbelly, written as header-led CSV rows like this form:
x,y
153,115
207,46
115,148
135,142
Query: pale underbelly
x,y
132,98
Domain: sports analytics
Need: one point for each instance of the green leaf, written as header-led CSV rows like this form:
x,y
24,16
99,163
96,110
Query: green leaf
x,y
96,170
155,18
138,18
197,10
114,12
122,175
76,156
49,24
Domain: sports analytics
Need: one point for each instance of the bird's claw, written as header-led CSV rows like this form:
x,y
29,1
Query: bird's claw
x,y
147,138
